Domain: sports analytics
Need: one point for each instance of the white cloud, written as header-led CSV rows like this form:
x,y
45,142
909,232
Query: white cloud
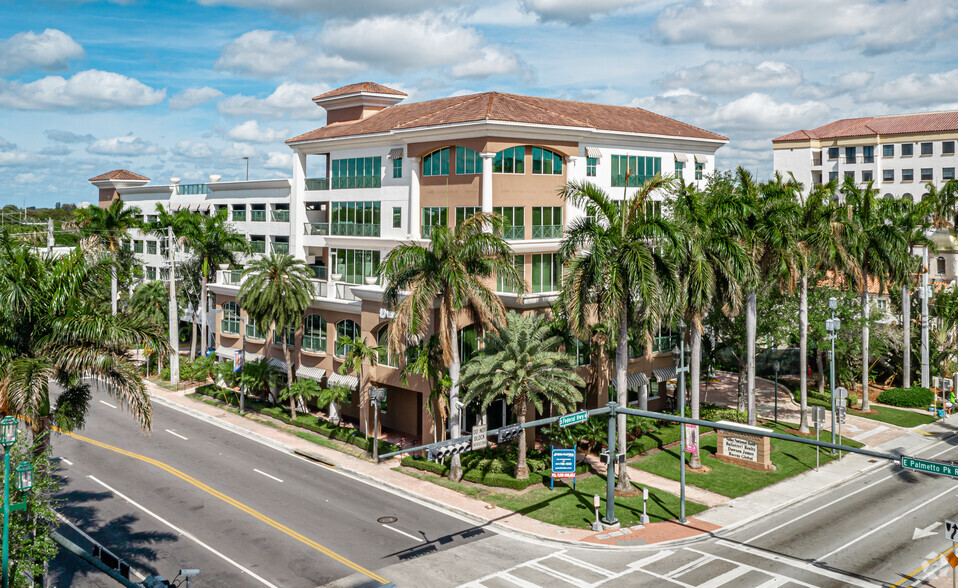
x,y
718,77
279,160
839,84
681,104
191,97
6,145
574,12
14,157
87,90
250,131
237,151
56,150
493,61
333,7
27,178
758,112
190,151
918,89
289,99
259,53
127,145
68,137
50,50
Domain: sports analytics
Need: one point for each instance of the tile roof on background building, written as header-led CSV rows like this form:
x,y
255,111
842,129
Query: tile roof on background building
x,y
119,174
368,87
496,106
898,124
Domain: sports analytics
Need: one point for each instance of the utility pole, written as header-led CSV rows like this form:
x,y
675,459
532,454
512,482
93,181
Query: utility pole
x,y
925,372
247,168
174,315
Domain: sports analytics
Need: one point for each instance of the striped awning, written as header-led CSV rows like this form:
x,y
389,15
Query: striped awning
x,y
279,364
701,159
337,379
312,373
681,157
664,374
593,152
637,380
396,153
226,352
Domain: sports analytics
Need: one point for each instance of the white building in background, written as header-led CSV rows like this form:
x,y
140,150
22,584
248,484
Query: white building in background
x,y
899,153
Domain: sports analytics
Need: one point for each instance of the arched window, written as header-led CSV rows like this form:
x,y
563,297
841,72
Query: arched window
x,y
545,162
467,161
385,356
314,333
231,319
510,161
888,196
346,328
941,266
436,163
908,196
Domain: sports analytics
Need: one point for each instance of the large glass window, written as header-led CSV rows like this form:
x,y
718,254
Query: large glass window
x,y
546,222
252,332
546,162
345,328
355,265
357,172
314,333
850,154
231,319
151,247
385,357
514,221
436,163
947,147
138,246
947,173
887,150
888,175
639,169
907,175
520,265
907,149
464,212
927,148
358,219
590,166
927,175
290,337
510,161
468,161
868,154
546,272
433,216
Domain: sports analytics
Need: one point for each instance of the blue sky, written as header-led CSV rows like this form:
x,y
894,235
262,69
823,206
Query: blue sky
x,y
188,89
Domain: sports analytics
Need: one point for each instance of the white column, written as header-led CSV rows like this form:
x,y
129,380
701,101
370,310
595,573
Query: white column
x,y
574,171
297,210
487,181
414,204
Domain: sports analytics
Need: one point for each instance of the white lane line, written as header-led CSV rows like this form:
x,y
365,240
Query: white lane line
x,y
108,404
66,461
133,571
728,576
186,534
572,581
175,434
885,524
796,563
401,532
267,475
650,559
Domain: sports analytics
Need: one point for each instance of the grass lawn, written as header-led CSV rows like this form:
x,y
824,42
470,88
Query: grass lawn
x,y
731,480
896,416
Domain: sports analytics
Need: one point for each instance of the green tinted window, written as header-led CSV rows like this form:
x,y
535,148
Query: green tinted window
x,y
520,264
346,328
397,167
355,265
546,273
467,161
431,217
436,163
590,164
356,172
464,212
545,162
314,333
638,169
510,161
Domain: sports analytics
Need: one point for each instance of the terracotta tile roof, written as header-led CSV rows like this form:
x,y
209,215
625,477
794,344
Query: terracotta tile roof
x,y
370,87
496,106
874,286
119,174
898,124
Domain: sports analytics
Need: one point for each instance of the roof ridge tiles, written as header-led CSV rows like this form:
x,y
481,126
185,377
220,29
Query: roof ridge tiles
x,y
452,104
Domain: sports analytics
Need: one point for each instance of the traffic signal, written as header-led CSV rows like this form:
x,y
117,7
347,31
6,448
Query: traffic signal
x,y
509,433
440,451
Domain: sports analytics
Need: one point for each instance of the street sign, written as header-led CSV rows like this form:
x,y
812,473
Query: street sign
x,y
841,393
574,418
951,531
479,439
818,416
929,467
563,465
840,412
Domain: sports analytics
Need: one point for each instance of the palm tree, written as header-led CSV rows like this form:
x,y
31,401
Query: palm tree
x,y
213,241
110,224
275,292
358,353
151,302
426,361
52,335
522,363
713,265
914,219
879,248
455,268
616,271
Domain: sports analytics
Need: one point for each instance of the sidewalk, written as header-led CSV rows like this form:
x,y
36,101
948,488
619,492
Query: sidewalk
x,y
725,513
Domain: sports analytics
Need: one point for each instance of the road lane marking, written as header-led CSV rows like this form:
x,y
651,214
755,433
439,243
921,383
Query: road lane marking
x,y
267,475
66,461
175,434
401,532
918,570
108,404
183,532
93,541
236,504
795,563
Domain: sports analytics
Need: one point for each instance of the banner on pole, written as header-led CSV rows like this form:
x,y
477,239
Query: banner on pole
x,y
691,438
237,360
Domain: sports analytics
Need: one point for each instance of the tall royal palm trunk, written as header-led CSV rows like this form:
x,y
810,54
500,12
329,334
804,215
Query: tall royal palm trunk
x,y
289,378
203,314
193,339
622,397
750,317
906,335
803,353
866,312
522,471
695,367
819,358
114,294
455,465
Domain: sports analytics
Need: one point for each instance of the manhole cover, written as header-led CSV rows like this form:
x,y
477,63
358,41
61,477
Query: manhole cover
x,y
386,520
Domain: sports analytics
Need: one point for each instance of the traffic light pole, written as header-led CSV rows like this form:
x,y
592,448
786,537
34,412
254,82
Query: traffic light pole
x,y
609,518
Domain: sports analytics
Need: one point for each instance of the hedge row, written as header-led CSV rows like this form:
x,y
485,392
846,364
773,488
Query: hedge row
x,y
484,477
816,399
914,397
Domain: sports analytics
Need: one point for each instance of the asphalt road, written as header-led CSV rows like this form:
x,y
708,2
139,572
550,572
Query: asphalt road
x,y
193,495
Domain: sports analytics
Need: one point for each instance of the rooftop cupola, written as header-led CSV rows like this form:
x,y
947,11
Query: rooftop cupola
x,y
357,101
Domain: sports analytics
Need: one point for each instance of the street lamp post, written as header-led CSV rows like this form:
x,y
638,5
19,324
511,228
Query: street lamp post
x,y
777,365
680,374
23,482
832,325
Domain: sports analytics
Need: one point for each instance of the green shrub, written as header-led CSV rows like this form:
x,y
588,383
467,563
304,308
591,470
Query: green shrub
x,y
914,397
816,399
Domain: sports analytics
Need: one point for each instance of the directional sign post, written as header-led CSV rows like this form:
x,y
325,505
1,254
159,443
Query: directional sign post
x,y
563,466
929,467
951,532
818,416
574,418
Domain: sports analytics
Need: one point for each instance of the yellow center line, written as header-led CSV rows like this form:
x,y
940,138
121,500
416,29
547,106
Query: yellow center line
x,y
237,504
918,570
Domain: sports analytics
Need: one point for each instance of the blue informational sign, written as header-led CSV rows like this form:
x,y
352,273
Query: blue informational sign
x,y
563,465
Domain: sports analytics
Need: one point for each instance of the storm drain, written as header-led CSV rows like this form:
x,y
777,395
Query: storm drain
x,y
386,520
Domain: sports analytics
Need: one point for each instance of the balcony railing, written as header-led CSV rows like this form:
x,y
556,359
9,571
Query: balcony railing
x,y
546,231
317,228
257,216
354,229
356,182
232,277
319,288
817,160
345,292
317,183
239,216
182,189
868,159
280,247
257,246
281,216
514,232
319,271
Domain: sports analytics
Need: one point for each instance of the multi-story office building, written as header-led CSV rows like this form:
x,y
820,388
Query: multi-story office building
x,y
899,153
381,173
